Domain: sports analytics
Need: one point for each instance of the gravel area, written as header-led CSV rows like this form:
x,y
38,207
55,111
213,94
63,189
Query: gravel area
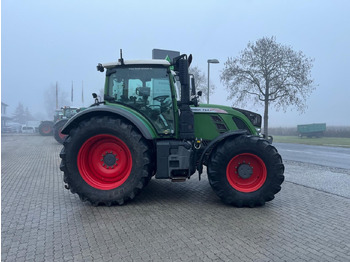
x,y
328,179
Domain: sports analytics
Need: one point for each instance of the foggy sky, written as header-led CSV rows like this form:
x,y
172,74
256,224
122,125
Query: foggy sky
x,y
47,41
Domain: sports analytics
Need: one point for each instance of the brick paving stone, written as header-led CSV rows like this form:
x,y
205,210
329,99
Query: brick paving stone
x,y
41,221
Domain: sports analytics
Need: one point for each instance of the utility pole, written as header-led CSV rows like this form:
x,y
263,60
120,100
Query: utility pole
x,y
56,95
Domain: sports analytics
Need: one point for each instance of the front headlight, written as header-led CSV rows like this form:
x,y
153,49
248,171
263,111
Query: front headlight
x,y
254,118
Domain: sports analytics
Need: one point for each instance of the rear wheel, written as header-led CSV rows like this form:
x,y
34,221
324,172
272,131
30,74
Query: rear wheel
x,y
245,171
46,128
106,161
57,131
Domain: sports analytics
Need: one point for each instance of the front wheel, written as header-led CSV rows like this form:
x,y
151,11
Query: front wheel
x,y
245,171
106,160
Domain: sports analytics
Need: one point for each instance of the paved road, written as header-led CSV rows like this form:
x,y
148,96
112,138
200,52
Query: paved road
x,y
320,155
41,221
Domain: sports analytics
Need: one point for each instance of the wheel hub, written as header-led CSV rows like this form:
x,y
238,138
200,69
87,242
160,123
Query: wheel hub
x,y
245,171
109,160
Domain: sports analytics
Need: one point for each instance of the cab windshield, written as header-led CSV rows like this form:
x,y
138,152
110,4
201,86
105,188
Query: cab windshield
x,y
146,89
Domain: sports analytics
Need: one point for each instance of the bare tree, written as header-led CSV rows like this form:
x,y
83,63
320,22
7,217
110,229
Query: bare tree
x,y
270,74
201,82
22,115
19,115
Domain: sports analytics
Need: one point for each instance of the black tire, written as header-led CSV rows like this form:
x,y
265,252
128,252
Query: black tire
x,y
128,150
245,171
46,128
57,128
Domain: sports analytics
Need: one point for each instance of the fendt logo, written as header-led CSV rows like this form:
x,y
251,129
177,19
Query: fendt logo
x,y
208,110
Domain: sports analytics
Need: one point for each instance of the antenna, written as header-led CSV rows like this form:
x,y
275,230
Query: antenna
x,y
121,60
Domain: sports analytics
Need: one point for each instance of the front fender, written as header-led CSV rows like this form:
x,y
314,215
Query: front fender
x,y
206,153
59,122
146,130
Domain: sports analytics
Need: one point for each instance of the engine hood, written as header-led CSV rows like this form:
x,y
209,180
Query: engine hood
x,y
254,118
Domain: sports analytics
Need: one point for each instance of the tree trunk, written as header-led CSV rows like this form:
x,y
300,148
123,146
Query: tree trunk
x,y
266,118
266,110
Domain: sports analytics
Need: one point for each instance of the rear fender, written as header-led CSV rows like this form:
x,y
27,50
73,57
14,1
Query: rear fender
x,y
102,110
207,151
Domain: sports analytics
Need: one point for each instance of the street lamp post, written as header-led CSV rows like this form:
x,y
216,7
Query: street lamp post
x,y
210,61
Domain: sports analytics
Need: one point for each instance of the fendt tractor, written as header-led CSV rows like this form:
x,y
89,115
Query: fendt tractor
x,y
66,113
151,124
49,128
46,127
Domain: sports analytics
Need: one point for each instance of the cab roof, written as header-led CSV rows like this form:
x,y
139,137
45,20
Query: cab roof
x,y
138,62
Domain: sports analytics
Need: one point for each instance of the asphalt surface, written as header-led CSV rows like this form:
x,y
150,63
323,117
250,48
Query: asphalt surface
x,y
319,167
42,221
320,155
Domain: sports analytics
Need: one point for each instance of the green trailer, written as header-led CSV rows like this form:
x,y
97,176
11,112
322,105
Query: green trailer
x,y
312,130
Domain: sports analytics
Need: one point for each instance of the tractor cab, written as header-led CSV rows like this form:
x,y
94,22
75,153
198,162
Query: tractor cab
x,y
58,115
148,86
68,111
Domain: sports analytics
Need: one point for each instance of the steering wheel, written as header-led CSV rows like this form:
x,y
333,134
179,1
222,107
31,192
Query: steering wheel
x,y
161,99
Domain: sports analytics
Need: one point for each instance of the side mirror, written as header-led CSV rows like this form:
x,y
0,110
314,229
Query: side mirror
x,y
100,68
94,95
193,86
180,64
189,60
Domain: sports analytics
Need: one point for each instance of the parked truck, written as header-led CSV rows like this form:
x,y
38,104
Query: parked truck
x,y
311,130
151,124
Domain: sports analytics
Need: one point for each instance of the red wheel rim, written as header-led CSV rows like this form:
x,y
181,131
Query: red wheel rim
x,y
246,172
62,136
46,129
104,162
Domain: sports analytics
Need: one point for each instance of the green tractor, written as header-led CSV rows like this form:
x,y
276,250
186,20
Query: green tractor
x,y
65,113
151,124
46,127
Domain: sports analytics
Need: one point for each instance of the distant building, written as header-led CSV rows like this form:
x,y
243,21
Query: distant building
x,y
4,116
